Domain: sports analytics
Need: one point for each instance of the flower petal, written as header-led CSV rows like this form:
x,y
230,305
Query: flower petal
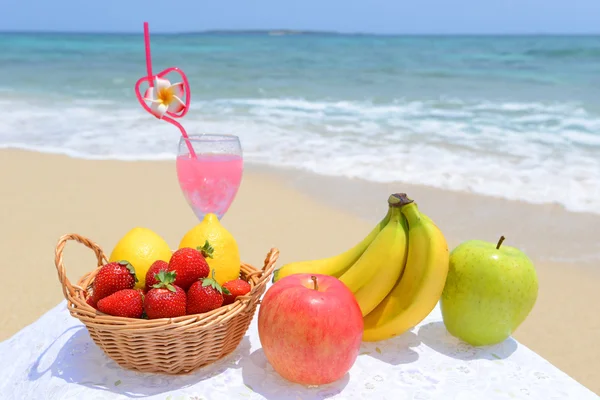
x,y
161,83
150,95
177,89
158,109
176,105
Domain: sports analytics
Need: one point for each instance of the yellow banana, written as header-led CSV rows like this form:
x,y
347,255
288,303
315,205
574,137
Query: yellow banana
x,y
421,284
389,268
335,265
377,255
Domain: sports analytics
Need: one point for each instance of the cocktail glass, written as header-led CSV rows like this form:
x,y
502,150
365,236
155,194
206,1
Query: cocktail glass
x,y
211,180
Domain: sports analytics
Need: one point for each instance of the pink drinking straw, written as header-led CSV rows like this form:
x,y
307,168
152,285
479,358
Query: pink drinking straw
x,y
150,78
148,55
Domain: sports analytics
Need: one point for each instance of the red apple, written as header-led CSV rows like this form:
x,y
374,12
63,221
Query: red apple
x,y
310,327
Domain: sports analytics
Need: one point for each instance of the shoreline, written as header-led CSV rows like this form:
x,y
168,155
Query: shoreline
x,y
303,174
535,228
304,215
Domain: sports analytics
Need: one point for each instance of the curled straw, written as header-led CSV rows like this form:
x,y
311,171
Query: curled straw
x,y
150,79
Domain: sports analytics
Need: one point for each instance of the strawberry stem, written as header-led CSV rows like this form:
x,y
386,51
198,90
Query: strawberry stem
x,y
128,265
165,280
212,282
207,250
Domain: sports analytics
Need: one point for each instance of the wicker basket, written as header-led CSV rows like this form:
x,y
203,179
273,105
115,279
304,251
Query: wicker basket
x,y
167,345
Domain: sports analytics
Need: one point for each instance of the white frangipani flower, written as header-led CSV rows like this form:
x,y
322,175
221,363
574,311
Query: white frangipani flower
x,y
164,97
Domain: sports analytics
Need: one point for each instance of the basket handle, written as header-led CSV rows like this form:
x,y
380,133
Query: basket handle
x,y
266,271
68,288
268,266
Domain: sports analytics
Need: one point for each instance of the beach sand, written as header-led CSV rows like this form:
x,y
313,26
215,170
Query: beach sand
x,y
44,196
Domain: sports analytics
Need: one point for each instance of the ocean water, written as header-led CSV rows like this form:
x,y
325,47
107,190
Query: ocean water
x,y
515,117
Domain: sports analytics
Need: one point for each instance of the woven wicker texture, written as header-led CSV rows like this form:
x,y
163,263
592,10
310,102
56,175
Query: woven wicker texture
x,y
166,345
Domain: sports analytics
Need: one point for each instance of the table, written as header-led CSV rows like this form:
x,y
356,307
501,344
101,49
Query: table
x,y
54,358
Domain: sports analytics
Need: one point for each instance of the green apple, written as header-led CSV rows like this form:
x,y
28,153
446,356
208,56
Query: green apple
x,y
489,291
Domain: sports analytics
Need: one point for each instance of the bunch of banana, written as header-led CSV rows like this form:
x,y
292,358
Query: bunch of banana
x,y
335,265
397,272
420,287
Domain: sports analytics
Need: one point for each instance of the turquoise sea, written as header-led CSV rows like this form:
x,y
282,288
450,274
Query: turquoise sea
x,y
510,116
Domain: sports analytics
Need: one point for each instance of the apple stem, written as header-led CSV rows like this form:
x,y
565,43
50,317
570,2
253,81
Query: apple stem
x,y
314,279
500,242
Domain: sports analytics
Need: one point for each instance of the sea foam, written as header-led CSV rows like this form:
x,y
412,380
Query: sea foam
x,y
529,151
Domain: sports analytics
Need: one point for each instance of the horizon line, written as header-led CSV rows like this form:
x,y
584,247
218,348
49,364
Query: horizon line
x,y
291,32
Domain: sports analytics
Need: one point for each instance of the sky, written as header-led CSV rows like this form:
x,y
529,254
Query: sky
x,y
351,16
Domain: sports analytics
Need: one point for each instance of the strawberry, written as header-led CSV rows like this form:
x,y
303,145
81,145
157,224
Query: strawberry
x,y
111,278
90,301
165,299
124,303
205,295
190,265
155,268
236,287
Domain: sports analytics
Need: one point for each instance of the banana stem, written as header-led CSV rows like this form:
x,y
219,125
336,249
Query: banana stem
x,y
500,242
399,200
314,279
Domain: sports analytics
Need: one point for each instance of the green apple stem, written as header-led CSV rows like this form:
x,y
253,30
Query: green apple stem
x,y
500,242
314,279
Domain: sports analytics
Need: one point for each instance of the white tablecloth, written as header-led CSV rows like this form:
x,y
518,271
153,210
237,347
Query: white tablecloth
x,y
54,358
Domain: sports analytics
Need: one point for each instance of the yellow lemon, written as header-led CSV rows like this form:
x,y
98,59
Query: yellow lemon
x,y
141,247
225,260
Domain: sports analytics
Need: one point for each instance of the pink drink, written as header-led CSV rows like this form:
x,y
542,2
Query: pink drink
x,y
210,181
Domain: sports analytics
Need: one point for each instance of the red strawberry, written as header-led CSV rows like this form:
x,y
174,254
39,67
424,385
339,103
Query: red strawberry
x,y
205,295
90,301
190,265
236,287
111,278
155,268
124,303
165,299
